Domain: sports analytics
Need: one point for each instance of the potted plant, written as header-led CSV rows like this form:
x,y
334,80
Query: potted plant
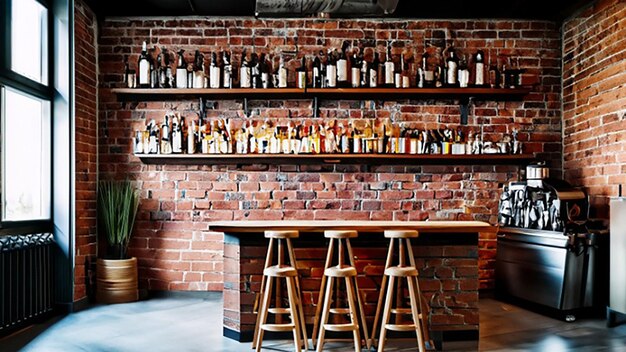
x,y
116,273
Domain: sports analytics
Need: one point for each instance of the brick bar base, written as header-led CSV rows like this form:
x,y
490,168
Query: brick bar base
x,y
448,266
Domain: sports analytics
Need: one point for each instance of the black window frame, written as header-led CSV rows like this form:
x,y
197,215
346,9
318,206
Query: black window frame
x,y
17,82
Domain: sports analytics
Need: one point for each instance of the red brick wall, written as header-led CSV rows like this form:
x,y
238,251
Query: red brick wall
x,y
594,101
178,202
86,120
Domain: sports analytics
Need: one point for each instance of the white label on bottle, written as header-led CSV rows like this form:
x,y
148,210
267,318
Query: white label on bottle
x,y
398,80
389,68
301,80
245,77
198,79
227,70
177,142
144,72
331,73
282,77
316,74
480,74
342,70
373,78
181,78
452,72
356,77
463,78
265,79
215,77
406,83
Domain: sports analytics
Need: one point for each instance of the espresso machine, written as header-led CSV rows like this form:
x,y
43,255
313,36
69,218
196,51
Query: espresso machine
x,y
548,253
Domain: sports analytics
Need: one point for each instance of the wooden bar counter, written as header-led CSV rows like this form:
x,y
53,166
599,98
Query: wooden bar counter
x,y
446,255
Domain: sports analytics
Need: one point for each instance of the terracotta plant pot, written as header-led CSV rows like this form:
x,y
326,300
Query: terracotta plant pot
x,y
116,280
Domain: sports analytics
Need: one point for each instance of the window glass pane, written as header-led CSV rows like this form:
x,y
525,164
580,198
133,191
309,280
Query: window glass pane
x,y
29,40
26,157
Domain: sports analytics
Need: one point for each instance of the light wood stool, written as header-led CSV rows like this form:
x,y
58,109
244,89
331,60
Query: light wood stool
x,y
275,272
410,273
344,269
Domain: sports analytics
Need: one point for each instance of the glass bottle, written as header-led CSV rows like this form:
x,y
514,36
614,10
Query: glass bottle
x,y
181,70
244,71
373,72
452,69
227,69
342,66
479,68
143,66
331,70
389,69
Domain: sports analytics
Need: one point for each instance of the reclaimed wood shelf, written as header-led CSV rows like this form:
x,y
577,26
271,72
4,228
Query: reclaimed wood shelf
x,y
232,93
370,159
270,93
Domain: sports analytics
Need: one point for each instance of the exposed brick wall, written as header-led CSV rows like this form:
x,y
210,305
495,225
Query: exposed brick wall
x,y
86,119
178,202
594,101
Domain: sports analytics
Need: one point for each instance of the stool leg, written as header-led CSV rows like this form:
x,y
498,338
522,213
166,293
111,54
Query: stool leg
x,y
383,287
413,293
354,319
325,312
318,308
259,295
263,313
359,300
423,307
293,308
292,259
386,315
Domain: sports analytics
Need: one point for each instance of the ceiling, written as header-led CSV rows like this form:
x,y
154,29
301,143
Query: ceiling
x,y
554,10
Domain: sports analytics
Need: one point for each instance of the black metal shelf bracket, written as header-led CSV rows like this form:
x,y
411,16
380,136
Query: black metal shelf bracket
x,y
465,105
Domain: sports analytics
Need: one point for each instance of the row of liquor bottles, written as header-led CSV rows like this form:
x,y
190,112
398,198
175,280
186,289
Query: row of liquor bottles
x,y
175,136
343,68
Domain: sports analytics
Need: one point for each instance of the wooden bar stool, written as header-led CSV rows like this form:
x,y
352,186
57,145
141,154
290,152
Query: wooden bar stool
x,y
275,272
397,272
345,268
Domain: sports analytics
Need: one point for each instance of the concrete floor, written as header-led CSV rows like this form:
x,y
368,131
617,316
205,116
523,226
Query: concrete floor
x,y
195,324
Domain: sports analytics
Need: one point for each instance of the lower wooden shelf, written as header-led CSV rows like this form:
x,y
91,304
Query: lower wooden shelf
x,y
366,159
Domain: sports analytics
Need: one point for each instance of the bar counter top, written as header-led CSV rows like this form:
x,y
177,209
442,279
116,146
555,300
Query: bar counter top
x,y
365,226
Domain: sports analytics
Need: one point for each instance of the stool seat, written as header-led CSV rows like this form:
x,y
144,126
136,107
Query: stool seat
x,y
399,271
280,271
282,234
401,234
340,271
340,234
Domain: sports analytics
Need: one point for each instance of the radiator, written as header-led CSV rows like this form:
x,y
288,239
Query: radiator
x,y
26,277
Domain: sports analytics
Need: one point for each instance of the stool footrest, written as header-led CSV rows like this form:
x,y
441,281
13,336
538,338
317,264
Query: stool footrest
x,y
401,311
401,271
278,327
341,327
279,310
400,327
339,310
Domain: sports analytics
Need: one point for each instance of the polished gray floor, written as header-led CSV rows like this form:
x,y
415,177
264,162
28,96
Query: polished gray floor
x,y
194,324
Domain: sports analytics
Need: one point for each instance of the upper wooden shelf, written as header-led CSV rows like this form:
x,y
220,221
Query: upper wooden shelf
x,y
359,93
370,159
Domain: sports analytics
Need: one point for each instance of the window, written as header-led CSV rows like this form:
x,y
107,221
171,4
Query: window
x,y
29,40
25,114
26,157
